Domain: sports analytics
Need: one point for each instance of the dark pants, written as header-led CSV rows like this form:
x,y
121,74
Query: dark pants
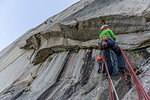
x,y
120,60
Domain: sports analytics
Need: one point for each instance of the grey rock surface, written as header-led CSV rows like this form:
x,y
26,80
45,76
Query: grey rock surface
x,y
57,59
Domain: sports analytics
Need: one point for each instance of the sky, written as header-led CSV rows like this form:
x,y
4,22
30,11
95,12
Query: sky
x,y
18,16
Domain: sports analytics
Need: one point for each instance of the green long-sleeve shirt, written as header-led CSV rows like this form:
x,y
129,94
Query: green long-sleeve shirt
x,y
108,33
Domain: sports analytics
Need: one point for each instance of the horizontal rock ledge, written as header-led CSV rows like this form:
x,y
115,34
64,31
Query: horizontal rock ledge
x,y
43,54
89,29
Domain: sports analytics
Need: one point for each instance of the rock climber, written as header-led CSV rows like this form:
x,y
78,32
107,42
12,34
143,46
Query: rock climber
x,y
108,39
99,60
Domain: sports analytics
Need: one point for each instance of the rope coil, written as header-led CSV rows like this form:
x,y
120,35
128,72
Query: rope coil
x,y
139,89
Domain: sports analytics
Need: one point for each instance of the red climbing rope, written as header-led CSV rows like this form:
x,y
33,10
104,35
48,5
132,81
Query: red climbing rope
x,y
140,91
139,70
110,89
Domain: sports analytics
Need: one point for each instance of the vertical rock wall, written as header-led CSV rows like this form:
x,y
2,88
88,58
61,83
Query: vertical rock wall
x,y
57,59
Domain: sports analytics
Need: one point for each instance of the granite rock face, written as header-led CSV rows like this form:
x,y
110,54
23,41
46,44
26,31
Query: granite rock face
x,y
57,59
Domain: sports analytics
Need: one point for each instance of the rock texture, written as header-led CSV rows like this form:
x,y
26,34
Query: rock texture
x,y
57,59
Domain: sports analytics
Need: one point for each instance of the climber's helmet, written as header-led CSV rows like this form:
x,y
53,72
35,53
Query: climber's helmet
x,y
99,59
104,27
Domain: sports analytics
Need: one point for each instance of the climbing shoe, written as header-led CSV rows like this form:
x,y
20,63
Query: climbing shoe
x,y
103,71
122,70
99,71
115,73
